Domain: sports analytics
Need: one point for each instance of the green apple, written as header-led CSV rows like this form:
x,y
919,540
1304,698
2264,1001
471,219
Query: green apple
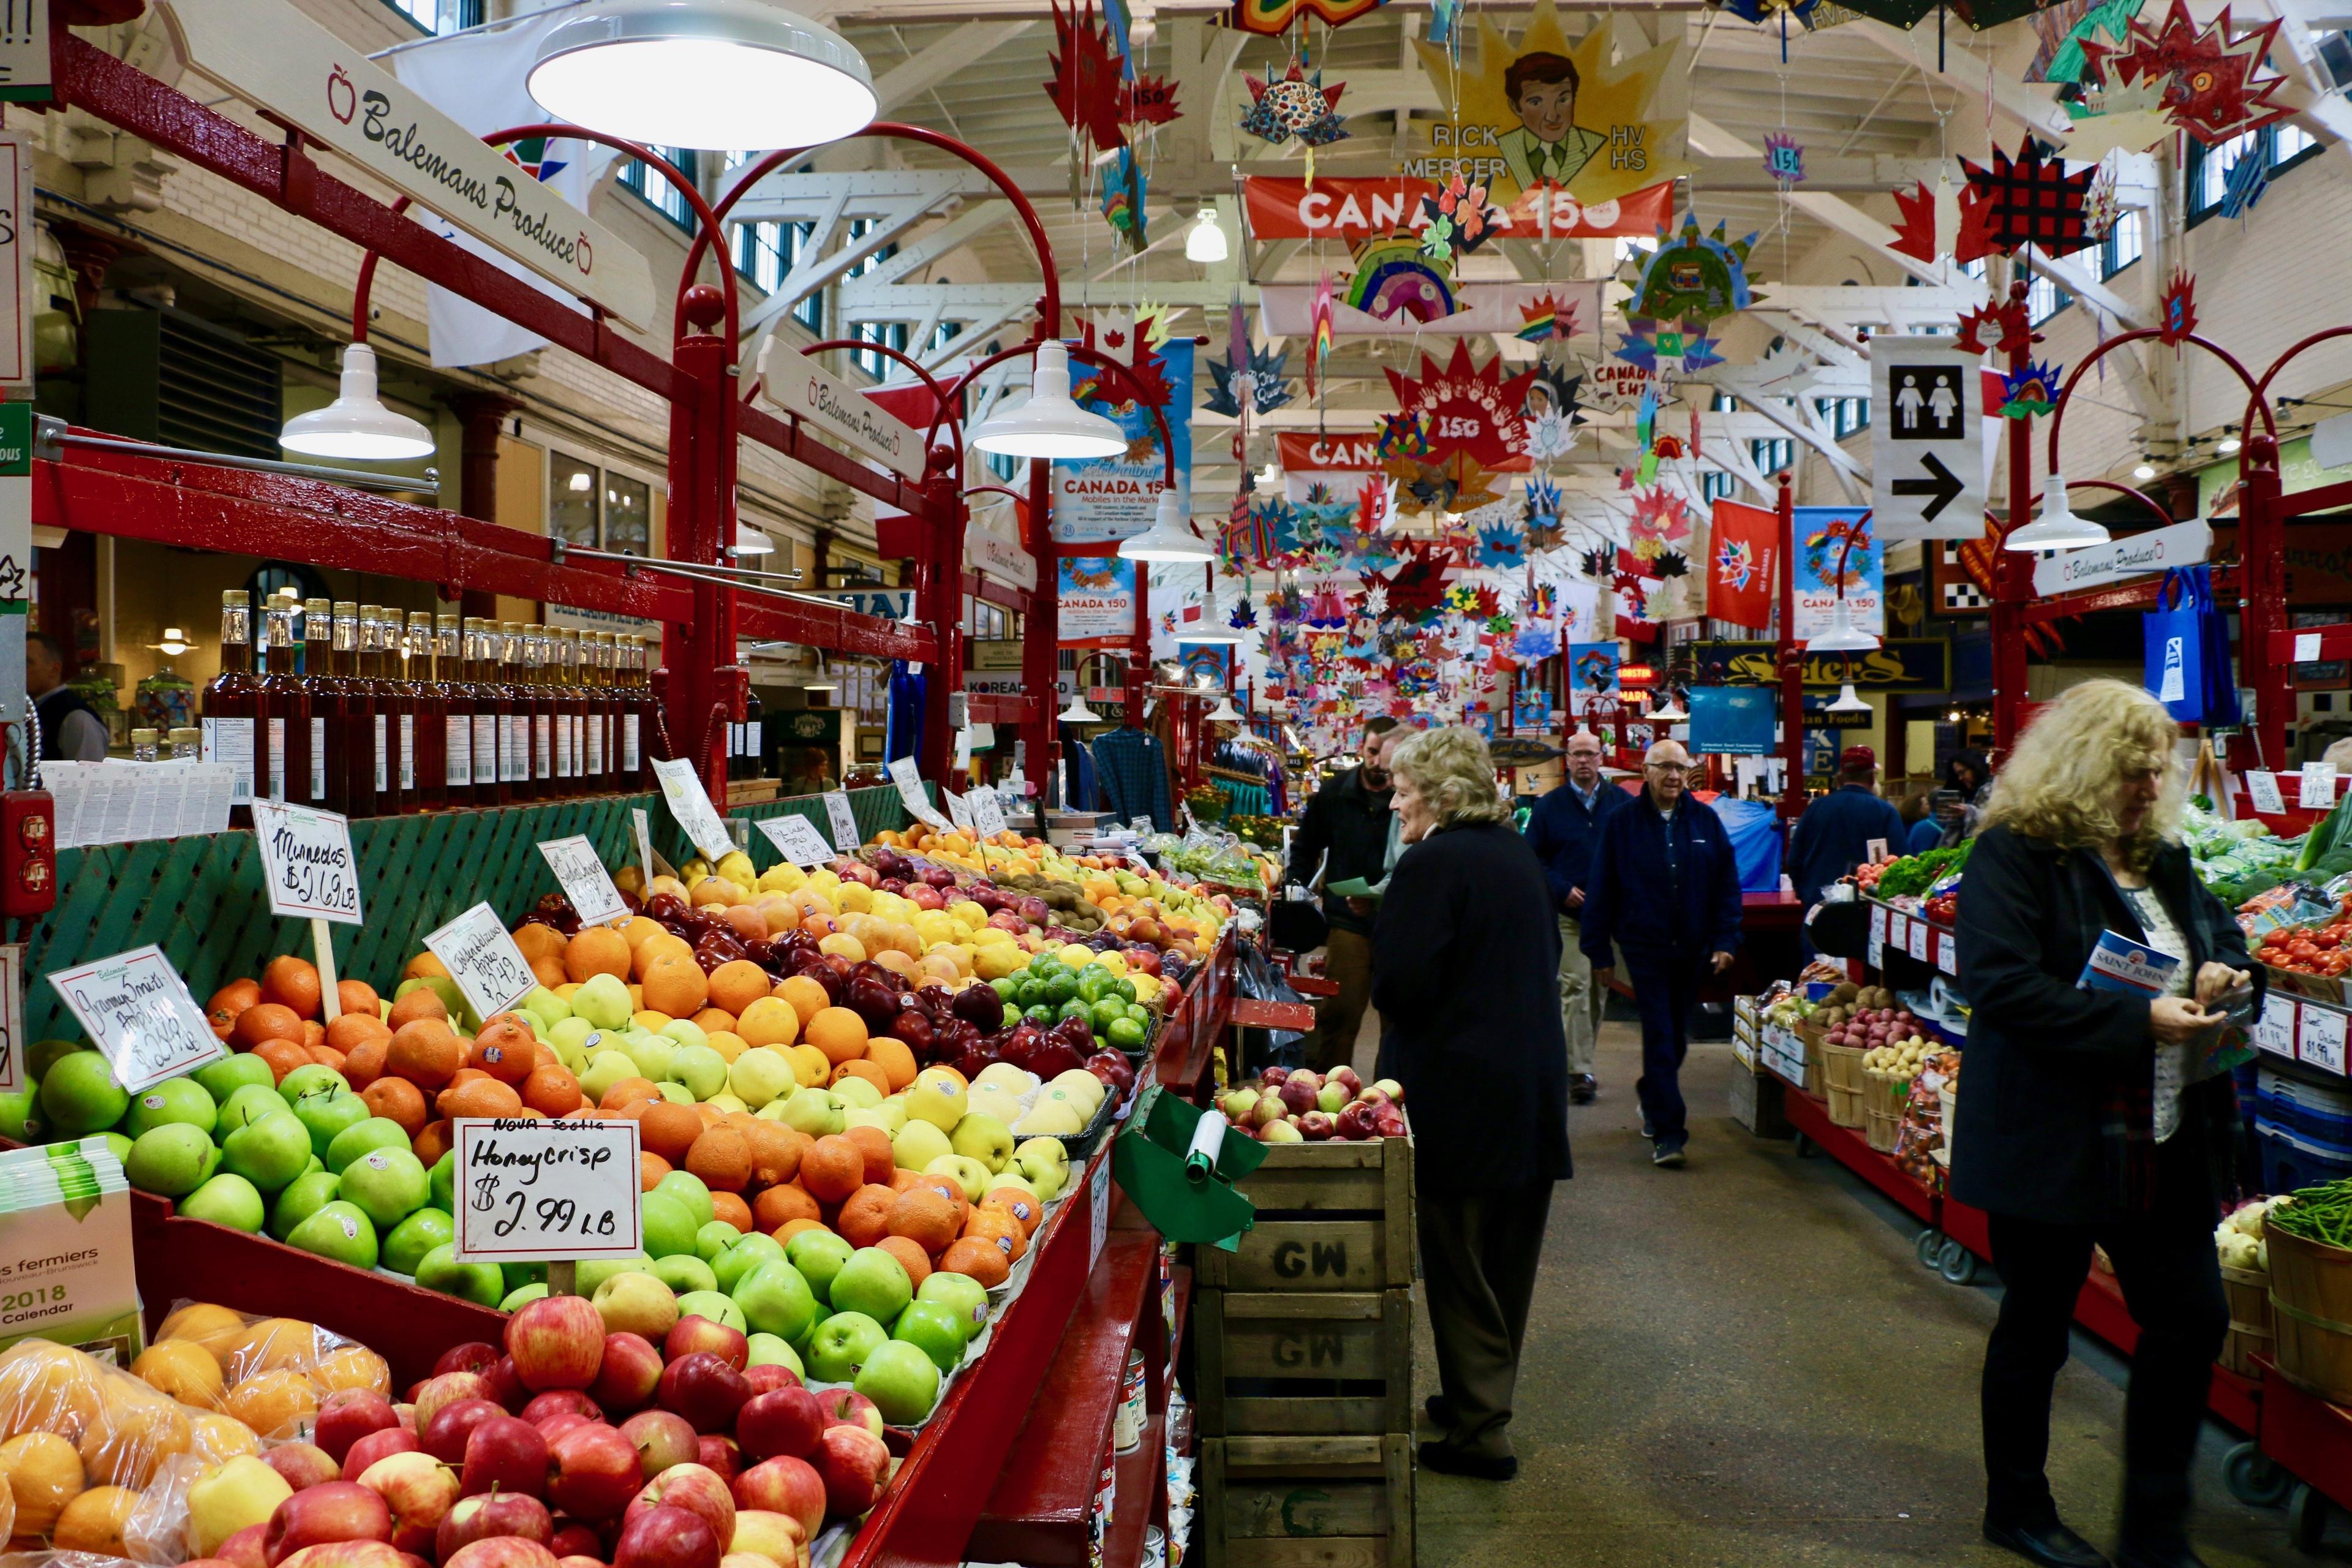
x,y
175,1100
43,1055
518,1275
225,1077
856,1094
594,1271
700,1068
713,1239
815,1112
546,1007
304,1196
728,1101
669,1225
225,1199
572,1041
1045,1162
603,1001
767,1350
901,1381
842,1342
481,1283
387,1185
246,1106
675,1093
744,1255
960,1293
759,1075
685,1032
79,1095
967,1172
268,1152
522,1295
237,1494
340,1230
872,1282
917,1144
327,1111
710,1304
444,1176
776,1299
890,1118
981,1137
818,1255
172,1159
653,1054
606,1069
686,1274
688,1189
635,1301
935,1328
117,1145
20,1116
361,1138
414,1237
312,1078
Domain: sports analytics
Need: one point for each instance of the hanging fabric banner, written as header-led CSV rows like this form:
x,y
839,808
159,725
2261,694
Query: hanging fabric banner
x,y
1743,577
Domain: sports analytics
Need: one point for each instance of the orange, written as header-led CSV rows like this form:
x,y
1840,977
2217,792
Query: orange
x,y
94,1521
642,958
182,1369
537,940
781,1204
639,929
948,1188
292,982
979,1259
551,1091
482,1096
327,1057
549,973
675,985
275,1403
809,1065
771,1021
833,1168
214,1328
904,1180
506,1050
871,1071
1023,1206
669,1130
776,1151
132,1438
865,1216
912,1257
346,1032
435,1141
421,1003
807,997
896,1061
839,1033
748,922
45,1474
716,1020
628,1091
925,1218
229,1001
215,1438
267,1021
792,1228
424,966
730,1207
651,1169
736,985
353,1366
875,1145
314,1034
426,1051
397,1099
596,950
283,1057
358,997
996,1226
272,1344
722,1158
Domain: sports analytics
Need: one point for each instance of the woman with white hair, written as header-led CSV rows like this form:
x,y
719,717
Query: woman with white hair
x,y
2096,1117
1465,957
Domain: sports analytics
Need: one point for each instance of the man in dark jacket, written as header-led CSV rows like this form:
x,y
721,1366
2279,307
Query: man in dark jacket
x,y
1666,889
1835,833
1344,833
1561,831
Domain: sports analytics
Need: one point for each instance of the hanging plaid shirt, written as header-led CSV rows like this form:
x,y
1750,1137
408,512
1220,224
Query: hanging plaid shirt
x,y
1131,775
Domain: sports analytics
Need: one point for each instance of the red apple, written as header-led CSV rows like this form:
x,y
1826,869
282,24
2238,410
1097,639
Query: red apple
x,y
503,1551
784,1485
787,1421
562,1421
500,1513
243,1550
848,1407
1316,1126
336,1510
557,1341
705,1389
699,1333
593,1471
555,1401
505,1385
379,1445
505,1453
471,1356
581,1560
777,1539
631,1371
453,1423
852,1462
418,1489
573,1539
666,1538
350,1554
694,1488
719,1454
303,1464
447,1388
349,1415
663,1438
767,1377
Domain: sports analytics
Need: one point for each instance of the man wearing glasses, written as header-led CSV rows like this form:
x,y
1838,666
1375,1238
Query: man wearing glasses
x,y
1561,831
1664,888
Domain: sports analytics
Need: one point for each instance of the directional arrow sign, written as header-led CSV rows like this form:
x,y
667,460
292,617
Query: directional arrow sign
x,y
1927,452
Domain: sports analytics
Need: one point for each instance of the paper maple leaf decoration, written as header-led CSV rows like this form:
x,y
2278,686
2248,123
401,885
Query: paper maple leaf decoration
x,y
2175,316
2213,85
1149,100
2028,199
1087,89
1548,319
1915,228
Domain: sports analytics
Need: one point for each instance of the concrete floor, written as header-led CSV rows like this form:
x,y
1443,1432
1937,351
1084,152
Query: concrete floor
x,y
1742,1364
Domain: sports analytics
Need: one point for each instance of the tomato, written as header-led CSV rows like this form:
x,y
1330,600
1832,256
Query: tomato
x,y
2327,938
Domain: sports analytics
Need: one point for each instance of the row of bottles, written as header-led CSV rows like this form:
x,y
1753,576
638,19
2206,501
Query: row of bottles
x,y
384,714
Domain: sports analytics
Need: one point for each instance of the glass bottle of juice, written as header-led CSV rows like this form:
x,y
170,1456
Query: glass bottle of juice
x,y
597,671
563,675
378,667
457,710
423,760
332,696
396,709
540,690
232,703
638,726
482,701
319,682
285,706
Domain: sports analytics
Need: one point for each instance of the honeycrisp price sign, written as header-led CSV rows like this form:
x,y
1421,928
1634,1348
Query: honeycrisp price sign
x,y
483,960
547,1191
137,1011
837,811
586,882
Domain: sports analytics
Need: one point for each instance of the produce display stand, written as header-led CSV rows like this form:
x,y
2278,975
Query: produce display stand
x,y
2301,1455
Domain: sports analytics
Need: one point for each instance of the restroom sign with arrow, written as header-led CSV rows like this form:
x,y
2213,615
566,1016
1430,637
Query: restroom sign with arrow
x,y
1926,451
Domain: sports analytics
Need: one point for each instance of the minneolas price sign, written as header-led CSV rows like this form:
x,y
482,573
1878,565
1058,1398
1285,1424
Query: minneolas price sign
x,y
546,1191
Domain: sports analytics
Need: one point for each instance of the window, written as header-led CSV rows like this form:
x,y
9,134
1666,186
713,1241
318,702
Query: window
x,y
571,500
765,254
892,334
440,17
2125,244
1715,485
1771,457
2280,146
1726,404
657,190
596,507
2043,300
1846,415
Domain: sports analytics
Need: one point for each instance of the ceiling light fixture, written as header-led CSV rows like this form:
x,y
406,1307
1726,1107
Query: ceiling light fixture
x,y
175,642
720,74
1050,424
2229,444
1671,713
357,424
1848,701
1078,712
1843,636
1169,538
750,540
2057,528
1225,712
2144,472
1204,241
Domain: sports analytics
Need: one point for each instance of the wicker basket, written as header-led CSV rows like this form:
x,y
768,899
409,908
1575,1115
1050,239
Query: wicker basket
x,y
1880,1127
1881,1107
1842,1069
2251,1332
1846,1106
2311,1304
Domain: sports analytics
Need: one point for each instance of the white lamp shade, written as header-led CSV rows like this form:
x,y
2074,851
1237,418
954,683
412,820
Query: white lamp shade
x,y
727,74
1848,701
750,540
1169,538
1050,424
1671,713
1225,712
1078,712
1843,636
356,423
2057,528
1204,241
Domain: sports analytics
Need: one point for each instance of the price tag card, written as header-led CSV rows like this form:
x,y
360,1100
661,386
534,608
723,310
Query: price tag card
x,y
12,1016
2261,788
987,812
2320,1039
1876,957
307,863
2306,647
1947,953
2316,789
1875,850
845,837
586,883
796,839
910,790
1877,922
682,786
136,1009
1919,933
546,1191
483,960
1098,1211
1898,931
2273,1029
959,808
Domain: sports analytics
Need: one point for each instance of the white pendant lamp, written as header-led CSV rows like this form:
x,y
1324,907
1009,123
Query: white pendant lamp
x,y
1169,538
1842,637
1078,712
1225,712
722,74
356,423
1050,424
1204,241
2057,528
1671,713
1848,701
750,540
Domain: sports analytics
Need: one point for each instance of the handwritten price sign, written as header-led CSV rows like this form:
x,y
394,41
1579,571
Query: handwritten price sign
x,y
137,1011
483,960
796,839
586,883
690,803
845,837
546,1191
307,864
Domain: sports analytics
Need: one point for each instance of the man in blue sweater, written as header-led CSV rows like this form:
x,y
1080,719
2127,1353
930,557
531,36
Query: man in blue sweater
x,y
1835,833
1561,830
1666,889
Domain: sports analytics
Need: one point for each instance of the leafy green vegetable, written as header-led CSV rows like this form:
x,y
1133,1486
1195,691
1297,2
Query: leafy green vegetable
x,y
2325,835
1915,874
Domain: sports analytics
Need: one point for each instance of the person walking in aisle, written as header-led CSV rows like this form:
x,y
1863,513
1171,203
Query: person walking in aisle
x,y
2096,1117
1835,832
1969,777
71,731
1560,831
1345,832
1465,958
1666,889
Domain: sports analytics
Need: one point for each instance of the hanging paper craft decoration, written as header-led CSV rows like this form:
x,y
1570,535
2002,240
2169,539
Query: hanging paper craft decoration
x,y
1549,319
2215,87
1401,435
1656,347
1695,276
1501,545
2175,309
1394,279
1553,114
2114,115
1542,525
2031,200
2063,29
1455,483
2101,205
1122,201
1272,18
1784,159
2248,181
1249,377
1915,223
1087,89
1552,414
1150,101
1318,353
2031,389
1460,219
1467,408
2008,321
1295,105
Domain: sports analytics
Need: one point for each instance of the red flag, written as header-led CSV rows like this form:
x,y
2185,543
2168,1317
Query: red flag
x,y
1743,571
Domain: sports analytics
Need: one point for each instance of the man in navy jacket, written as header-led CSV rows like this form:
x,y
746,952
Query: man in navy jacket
x,y
1561,830
1666,889
1834,835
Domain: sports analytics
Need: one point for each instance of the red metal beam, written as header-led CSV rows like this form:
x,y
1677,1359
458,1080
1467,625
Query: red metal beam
x,y
2138,596
833,629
